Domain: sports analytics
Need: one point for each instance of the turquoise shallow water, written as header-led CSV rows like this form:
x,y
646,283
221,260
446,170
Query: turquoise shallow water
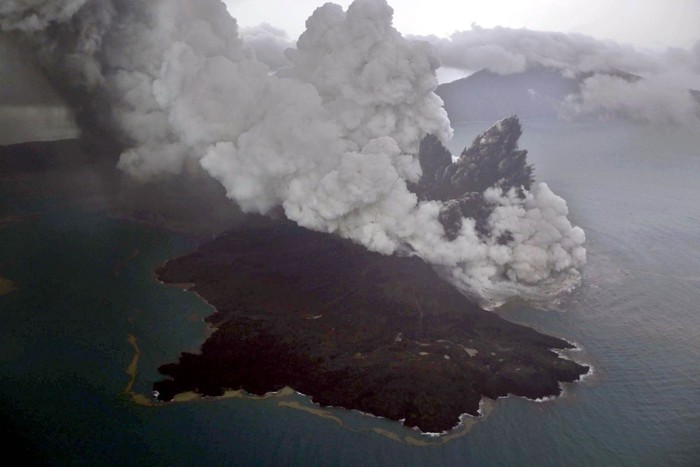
x,y
86,284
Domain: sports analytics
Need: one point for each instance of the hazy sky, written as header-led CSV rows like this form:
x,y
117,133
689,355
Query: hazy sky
x,y
644,23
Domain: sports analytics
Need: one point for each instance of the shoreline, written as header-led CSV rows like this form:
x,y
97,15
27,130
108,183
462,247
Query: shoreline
x,y
462,428
562,353
466,421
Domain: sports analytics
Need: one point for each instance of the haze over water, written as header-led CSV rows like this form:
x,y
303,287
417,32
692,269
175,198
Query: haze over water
x,y
633,189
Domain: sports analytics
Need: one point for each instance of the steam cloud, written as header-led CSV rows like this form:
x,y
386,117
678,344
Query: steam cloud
x,y
332,138
661,97
269,44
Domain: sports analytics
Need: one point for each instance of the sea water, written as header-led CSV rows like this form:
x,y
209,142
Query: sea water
x,y
86,285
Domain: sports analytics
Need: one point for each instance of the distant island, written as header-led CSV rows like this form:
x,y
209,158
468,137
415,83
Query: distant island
x,y
536,93
355,329
488,96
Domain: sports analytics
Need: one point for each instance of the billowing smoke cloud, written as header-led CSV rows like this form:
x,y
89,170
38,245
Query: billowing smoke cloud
x,y
537,262
609,70
332,139
269,44
505,50
656,99
36,15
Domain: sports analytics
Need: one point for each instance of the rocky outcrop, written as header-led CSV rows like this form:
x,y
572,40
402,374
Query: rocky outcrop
x,y
493,160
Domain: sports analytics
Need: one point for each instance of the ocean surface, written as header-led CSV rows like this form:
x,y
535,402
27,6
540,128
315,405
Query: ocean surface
x,y
86,286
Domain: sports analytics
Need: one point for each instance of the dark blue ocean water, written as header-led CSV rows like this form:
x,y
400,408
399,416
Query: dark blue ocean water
x,y
86,284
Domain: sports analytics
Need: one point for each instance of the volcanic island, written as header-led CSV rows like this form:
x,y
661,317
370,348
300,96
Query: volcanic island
x,y
385,335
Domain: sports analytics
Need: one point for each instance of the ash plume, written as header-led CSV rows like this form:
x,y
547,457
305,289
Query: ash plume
x,y
269,44
331,139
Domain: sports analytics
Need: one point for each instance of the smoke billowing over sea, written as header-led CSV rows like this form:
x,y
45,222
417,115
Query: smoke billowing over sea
x,y
332,139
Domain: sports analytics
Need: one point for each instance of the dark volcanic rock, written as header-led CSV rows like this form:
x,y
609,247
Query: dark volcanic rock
x,y
352,328
493,160
434,160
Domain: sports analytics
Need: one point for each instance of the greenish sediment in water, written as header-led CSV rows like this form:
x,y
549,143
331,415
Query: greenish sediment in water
x,y
132,371
399,433
7,286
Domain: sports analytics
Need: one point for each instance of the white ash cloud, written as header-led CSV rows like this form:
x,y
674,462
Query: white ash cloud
x,y
506,50
269,44
661,96
331,139
657,99
543,237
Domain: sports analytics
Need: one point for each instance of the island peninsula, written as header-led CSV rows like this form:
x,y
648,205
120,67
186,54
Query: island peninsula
x,y
351,328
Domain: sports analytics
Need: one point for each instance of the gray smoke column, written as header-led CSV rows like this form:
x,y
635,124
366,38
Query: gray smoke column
x,y
332,139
